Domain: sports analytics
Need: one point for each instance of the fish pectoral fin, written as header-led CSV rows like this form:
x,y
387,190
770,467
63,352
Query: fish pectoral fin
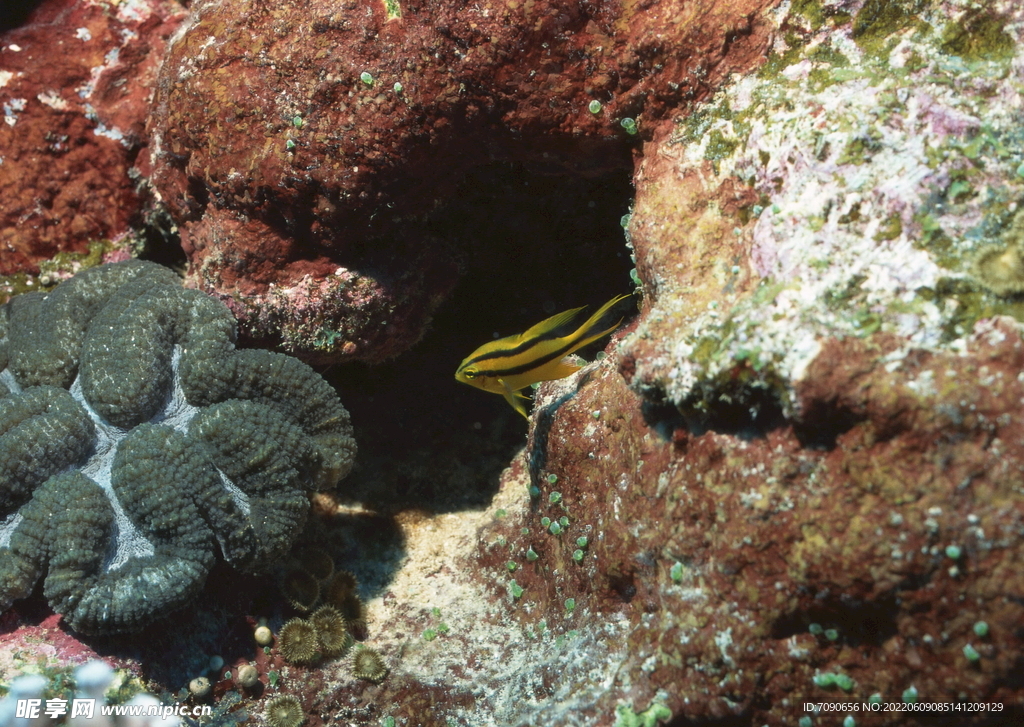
x,y
514,398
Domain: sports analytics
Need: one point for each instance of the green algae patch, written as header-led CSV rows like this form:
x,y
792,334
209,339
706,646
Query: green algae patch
x,y
697,124
860,149
626,717
811,10
880,19
979,36
890,229
817,15
60,267
778,61
719,147
964,302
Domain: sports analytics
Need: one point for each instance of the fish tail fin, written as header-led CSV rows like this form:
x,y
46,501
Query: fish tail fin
x,y
597,325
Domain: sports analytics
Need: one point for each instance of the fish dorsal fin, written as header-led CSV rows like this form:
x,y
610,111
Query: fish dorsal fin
x,y
551,327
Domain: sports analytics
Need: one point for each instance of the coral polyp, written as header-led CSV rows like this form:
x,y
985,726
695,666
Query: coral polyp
x,y
284,711
332,631
340,592
1001,270
263,635
298,642
301,589
368,664
247,676
317,562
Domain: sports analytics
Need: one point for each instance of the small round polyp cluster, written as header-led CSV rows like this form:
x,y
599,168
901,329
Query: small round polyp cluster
x,y
135,440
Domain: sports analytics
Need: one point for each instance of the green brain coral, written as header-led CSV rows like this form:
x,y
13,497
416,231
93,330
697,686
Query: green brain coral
x,y
136,442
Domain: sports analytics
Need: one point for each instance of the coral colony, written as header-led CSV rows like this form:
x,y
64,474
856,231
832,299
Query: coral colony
x,y
137,442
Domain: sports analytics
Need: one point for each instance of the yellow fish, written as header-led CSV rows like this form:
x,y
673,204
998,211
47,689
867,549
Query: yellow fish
x,y
510,364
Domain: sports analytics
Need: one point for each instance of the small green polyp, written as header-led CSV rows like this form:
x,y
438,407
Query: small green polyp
x,y
366,78
824,680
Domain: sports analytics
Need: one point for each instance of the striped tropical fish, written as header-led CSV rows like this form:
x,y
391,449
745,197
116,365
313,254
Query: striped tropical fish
x,y
508,365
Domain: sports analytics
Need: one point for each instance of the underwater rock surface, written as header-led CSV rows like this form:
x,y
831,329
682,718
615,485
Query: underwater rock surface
x,y
799,477
74,95
299,144
135,441
868,179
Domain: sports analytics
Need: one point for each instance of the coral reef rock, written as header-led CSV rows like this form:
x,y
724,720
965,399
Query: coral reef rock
x,y
298,144
135,439
797,478
75,83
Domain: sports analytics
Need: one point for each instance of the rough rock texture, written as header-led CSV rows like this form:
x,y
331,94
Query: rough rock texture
x,y
851,187
75,83
134,439
800,474
299,144
723,579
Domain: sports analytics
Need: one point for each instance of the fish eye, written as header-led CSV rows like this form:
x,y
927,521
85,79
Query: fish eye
x,y
469,373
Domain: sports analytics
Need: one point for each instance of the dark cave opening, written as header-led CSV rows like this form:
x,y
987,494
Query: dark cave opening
x,y
531,244
531,240
856,622
16,13
746,412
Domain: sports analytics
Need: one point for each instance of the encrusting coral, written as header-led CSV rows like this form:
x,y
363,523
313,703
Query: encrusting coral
x,y
317,562
298,642
367,664
285,711
332,631
340,591
301,589
1001,268
135,439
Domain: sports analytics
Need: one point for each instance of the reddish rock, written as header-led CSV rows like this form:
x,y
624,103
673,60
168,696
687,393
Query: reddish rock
x,y
300,144
75,83
722,578
721,552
